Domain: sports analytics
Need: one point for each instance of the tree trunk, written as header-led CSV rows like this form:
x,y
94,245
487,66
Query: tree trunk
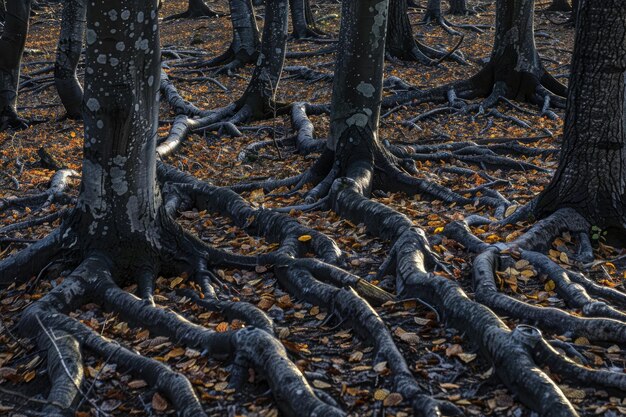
x,y
258,99
591,177
400,42
458,7
68,54
12,46
357,86
244,48
119,210
302,20
3,11
515,70
433,11
559,6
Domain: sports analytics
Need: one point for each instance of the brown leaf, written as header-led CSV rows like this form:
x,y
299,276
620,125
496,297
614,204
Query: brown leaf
x,y
159,403
392,399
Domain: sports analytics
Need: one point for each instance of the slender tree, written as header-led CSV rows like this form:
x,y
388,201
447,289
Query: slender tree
x,y
302,20
591,177
12,45
246,42
69,50
401,43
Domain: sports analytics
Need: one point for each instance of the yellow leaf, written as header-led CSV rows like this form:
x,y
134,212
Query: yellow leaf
x,y
305,238
439,230
321,384
563,258
510,210
175,282
29,376
550,285
380,394
222,327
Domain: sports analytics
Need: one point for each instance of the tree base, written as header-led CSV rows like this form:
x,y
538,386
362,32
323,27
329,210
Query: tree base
x,y
196,13
9,120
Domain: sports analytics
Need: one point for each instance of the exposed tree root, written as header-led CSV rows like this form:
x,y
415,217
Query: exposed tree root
x,y
55,193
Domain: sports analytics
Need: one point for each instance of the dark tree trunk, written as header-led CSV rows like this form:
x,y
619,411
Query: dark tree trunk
x,y
400,42
357,86
433,11
302,20
591,177
258,101
3,10
119,200
195,8
12,45
458,7
246,42
68,54
559,6
515,70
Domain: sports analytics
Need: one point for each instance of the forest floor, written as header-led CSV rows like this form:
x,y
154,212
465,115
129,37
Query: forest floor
x,y
332,357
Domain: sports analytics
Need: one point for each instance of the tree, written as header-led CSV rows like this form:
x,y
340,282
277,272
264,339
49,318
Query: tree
x,y
122,229
514,70
69,50
591,176
303,21
195,8
400,42
12,46
246,42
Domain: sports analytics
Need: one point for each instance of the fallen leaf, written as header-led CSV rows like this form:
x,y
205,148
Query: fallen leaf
x,y
159,403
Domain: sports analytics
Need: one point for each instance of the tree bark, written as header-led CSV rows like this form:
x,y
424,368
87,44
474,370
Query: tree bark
x,y
3,11
119,201
433,11
12,45
559,6
302,20
458,7
357,86
591,177
246,42
258,99
68,54
515,70
400,42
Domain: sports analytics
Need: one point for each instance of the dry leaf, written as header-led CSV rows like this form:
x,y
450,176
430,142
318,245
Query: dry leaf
x,y
321,384
137,383
159,403
392,399
380,394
